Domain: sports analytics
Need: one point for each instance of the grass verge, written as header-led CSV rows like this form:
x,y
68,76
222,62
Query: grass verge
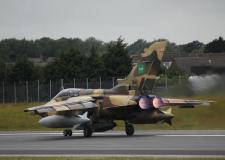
x,y
102,158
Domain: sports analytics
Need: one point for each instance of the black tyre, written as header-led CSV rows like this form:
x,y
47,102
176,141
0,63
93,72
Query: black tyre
x,y
129,129
67,132
87,131
70,132
64,133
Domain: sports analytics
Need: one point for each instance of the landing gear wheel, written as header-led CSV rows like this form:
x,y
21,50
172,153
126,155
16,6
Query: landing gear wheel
x,y
87,131
67,132
129,129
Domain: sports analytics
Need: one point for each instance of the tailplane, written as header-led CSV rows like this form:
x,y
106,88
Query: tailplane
x,y
169,116
168,111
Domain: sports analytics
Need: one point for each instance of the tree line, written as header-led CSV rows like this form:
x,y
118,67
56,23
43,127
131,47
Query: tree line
x,y
76,58
215,46
72,63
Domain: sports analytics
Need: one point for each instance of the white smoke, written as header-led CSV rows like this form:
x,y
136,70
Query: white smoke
x,y
213,84
205,82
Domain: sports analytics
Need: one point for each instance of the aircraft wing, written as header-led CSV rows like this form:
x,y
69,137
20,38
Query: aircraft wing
x,y
73,104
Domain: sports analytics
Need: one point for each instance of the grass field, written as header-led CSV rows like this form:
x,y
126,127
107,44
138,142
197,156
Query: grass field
x,y
102,158
13,118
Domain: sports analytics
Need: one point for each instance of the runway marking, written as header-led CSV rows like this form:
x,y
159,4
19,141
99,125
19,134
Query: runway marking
x,y
172,153
118,133
56,133
112,155
191,135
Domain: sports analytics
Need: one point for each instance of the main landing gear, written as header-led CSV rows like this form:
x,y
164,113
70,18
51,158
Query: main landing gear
x,y
87,130
67,132
129,129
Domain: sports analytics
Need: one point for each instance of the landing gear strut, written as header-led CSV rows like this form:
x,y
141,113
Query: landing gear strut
x,y
87,130
129,129
67,132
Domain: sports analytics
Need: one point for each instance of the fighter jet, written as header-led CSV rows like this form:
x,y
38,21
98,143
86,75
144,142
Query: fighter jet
x,y
96,110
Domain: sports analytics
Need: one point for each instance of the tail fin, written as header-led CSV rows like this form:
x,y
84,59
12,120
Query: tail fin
x,y
145,71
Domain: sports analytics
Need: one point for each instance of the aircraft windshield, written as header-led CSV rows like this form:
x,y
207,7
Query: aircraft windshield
x,y
67,93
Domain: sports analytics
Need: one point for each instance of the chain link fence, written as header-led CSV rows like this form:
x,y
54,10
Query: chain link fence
x,y
38,91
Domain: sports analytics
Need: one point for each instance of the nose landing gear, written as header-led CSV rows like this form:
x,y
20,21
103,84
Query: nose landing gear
x,y
67,132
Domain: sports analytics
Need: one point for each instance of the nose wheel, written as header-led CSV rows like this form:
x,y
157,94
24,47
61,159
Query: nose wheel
x,y
129,129
67,132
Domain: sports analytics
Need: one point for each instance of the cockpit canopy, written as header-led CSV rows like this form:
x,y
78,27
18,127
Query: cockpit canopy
x,y
67,93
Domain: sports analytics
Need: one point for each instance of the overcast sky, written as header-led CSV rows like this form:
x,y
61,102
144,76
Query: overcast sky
x,y
180,21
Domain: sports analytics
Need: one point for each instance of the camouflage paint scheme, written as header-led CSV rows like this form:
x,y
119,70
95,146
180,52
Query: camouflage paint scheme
x,y
94,110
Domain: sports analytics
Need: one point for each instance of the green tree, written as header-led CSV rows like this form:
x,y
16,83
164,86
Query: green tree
x,y
23,70
216,46
2,70
137,47
67,66
117,61
192,47
95,65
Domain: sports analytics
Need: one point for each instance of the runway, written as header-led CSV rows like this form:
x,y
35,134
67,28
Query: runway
x,y
144,143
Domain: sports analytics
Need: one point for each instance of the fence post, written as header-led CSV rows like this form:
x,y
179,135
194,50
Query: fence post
x,y
50,89
179,79
38,89
74,83
62,86
27,92
3,92
87,83
166,82
15,92
100,82
113,81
